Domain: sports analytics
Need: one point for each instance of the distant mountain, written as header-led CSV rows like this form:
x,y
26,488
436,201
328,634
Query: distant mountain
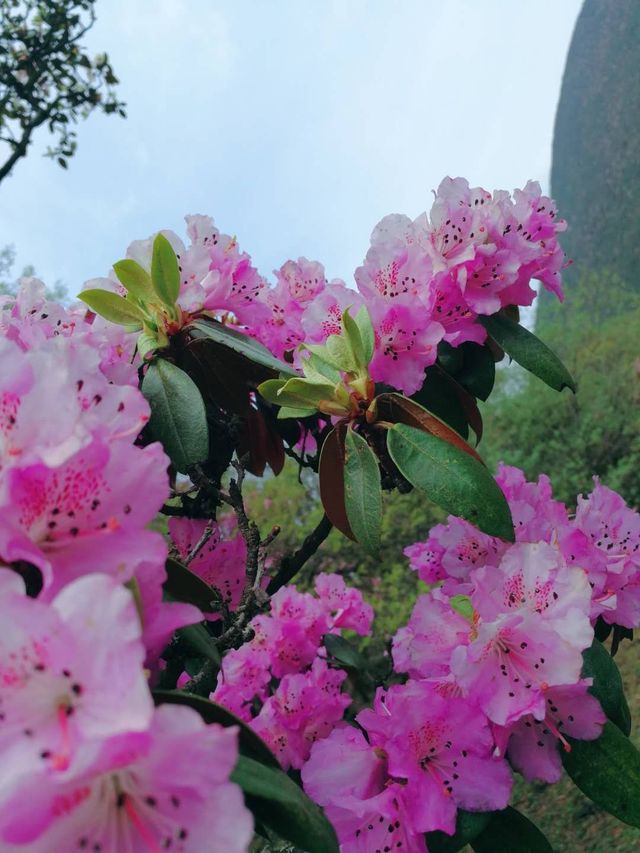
x,y
595,176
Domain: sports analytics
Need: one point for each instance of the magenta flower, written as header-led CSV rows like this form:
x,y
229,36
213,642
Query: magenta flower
x,y
345,604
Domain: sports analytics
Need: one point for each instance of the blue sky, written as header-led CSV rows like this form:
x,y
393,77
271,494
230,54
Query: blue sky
x,y
297,124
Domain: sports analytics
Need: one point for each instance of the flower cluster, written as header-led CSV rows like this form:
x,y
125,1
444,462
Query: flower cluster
x,y
281,681
493,656
87,762
423,280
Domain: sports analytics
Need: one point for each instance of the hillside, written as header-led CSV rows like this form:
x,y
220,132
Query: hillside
x,y
595,176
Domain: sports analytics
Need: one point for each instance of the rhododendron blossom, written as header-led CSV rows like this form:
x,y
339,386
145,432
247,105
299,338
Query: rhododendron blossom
x,y
166,787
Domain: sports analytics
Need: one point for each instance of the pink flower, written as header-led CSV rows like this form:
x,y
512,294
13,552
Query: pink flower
x,y
533,744
304,708
70,672
610,553
323,315
425,558
536,516
462,547
168,786
69,484
349,778
510,664
442,747
220,562
424,646
406,344
535,577
346,605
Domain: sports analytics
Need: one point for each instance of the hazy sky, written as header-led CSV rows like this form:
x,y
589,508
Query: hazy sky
x,y
296,124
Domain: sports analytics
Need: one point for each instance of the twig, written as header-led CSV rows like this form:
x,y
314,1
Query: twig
x,y
292,563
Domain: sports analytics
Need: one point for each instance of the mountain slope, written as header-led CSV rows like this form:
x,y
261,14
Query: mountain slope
x,y
595,175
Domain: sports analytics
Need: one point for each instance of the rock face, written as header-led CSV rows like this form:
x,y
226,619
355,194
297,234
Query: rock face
x,y
595,176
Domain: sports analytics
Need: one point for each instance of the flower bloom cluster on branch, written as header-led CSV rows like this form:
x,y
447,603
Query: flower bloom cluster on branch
x,y
423,280
493,655
487,672
87,763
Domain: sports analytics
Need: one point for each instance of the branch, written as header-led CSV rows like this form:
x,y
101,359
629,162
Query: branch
x,y
291,564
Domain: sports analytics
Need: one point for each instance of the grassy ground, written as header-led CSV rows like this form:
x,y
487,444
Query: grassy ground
x,y
570,821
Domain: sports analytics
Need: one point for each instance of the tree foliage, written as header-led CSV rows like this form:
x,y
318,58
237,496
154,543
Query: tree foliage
x,y
47,77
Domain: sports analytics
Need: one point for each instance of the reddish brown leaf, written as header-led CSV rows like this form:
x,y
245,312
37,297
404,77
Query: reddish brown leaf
x,y
331,476
401,410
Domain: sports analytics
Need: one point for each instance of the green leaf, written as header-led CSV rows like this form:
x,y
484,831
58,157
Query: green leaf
x,y
468,826
270,388
340,353
165,274
178,417
200,642
478,372
251,745
367,335
303,391
438,395
281,805
528,351
343,651
146,344
135,278
362,492
289,412
451,478
112,307
607,685
318,370
607,770
509,830
183,585
242,344
354,341
462,605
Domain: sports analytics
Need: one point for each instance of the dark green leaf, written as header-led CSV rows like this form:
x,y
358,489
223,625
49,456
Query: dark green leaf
x,y
451,478
478,371
607,685
242,344
200,642
178,417
362,492
509,830
607,770
284,807
112,307
343,651
528,351
165,273
438,395
251,745
468,826
183,585
135,278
